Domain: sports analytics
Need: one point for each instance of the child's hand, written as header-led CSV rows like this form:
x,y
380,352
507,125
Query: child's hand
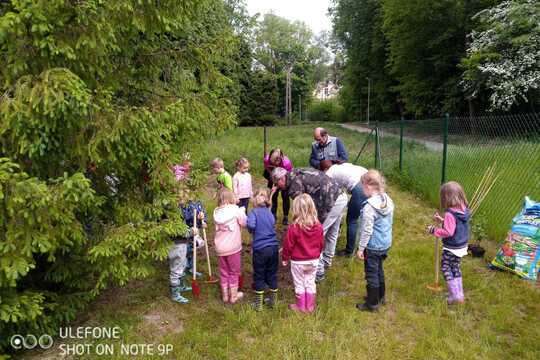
x,y
430,229
360,254
200,215
195,231
284,263
438,217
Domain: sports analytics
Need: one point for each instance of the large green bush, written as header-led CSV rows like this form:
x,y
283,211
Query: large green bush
x,y
326,110
97,99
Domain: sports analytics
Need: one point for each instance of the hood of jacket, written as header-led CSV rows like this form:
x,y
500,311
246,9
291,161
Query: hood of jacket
x,y
461,214
224,216
382,204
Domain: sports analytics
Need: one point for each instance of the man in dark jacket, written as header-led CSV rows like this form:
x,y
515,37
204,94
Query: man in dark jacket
x,y
326,147
329,200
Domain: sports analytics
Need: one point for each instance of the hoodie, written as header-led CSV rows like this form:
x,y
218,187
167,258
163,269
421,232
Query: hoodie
x,y
228,220
303,244
376,226
455,230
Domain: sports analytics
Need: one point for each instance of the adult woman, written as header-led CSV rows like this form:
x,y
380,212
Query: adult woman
x,y
276,159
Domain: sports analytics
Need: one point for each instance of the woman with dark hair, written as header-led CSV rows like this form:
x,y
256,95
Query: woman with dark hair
x,y
276,159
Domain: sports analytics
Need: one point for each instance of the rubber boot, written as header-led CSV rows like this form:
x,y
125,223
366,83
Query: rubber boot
x,y
310,302
271,301
300,303
257,304
460,296
225,293
372,302
176,296
235,294
452,291
382,294
183,286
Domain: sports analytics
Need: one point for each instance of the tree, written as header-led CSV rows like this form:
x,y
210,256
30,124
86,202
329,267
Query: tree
x,y
98,98
504,55
279,43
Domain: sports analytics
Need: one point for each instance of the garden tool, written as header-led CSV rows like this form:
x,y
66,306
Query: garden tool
x,y
195,288
436,287
211,279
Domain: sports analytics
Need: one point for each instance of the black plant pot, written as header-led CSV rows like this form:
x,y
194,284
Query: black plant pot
x,y
477,251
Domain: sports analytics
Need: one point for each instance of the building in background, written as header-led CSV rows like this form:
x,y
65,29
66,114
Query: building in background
x,y
326,90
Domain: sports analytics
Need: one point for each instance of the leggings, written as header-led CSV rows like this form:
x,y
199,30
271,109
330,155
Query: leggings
x,y
450,265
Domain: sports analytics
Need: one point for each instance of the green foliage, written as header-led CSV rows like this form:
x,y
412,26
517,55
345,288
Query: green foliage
x,y
504,55
98,99
260,101
326,110
410,50
279,43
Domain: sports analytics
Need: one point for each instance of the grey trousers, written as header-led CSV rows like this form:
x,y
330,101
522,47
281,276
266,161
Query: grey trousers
x,y
331,232
177,263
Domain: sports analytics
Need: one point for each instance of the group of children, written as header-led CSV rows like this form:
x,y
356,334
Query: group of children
x,y
304,240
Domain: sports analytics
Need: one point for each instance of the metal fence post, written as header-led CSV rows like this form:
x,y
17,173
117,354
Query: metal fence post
x,y
445,146
401,144
376,147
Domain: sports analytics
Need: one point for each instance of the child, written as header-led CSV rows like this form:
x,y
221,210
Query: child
x,y
224,179
229,218
188,210
455,236
179,253
304,242
261,224
375,237
242,183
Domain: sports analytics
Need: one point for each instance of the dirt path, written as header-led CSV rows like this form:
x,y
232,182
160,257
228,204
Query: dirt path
x,y
431,145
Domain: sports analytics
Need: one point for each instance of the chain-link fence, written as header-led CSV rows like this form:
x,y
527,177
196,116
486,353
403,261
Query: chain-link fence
x,y
421,154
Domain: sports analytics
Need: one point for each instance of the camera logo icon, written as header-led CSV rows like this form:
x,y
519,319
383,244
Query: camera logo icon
x,y
30,341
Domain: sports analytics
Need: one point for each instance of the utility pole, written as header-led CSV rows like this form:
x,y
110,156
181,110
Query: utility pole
x,y
300,106
368,95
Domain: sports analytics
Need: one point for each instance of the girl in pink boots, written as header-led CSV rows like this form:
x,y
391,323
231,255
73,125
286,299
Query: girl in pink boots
x,y
303,244
455,236
229,219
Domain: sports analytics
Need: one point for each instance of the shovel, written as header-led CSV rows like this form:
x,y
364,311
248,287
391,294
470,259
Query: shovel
x,y
211,279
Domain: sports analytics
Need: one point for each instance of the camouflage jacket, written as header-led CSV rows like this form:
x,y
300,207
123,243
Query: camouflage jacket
x,y
323,190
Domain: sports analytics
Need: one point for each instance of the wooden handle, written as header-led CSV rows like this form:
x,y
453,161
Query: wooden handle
x,y
207,254
265,149
194,245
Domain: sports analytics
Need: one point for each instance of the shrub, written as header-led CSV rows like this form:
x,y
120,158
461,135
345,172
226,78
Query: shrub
x,y
327,110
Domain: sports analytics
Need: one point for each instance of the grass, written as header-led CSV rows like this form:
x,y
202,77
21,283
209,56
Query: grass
x,y
499,320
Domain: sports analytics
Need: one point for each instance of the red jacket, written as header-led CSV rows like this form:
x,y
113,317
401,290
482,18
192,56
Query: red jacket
x,y
303,244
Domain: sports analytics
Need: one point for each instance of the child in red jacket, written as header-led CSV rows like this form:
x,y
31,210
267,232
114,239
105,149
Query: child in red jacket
x,y
304,242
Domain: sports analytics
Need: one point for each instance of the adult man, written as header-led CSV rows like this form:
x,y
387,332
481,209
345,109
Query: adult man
x,y
326,147
348,177
329,199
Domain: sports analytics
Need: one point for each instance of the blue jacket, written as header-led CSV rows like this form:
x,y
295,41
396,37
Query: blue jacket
x,y
376,227
333,150
461,235
261,224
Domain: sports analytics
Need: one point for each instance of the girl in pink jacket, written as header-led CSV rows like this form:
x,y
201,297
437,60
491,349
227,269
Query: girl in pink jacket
x,y
229,219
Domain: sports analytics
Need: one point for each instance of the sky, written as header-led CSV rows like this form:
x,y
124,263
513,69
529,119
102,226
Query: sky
x,y
312,12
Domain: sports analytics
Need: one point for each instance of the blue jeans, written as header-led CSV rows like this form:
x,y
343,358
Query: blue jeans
x,y
354,209
265,267
373,267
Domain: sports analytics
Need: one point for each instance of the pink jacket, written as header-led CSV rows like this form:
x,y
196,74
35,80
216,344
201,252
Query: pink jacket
x,y
242,185
285,163
228,238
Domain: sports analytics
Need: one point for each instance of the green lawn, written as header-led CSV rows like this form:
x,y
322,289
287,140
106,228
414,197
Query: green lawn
x,y
499,320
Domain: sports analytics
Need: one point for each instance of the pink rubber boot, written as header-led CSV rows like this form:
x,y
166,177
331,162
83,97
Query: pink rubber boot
x,y
300,303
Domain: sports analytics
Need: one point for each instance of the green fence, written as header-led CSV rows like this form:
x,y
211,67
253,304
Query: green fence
x,y
420,154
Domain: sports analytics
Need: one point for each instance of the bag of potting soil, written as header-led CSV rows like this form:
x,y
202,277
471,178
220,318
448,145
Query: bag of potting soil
x,y
520,252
